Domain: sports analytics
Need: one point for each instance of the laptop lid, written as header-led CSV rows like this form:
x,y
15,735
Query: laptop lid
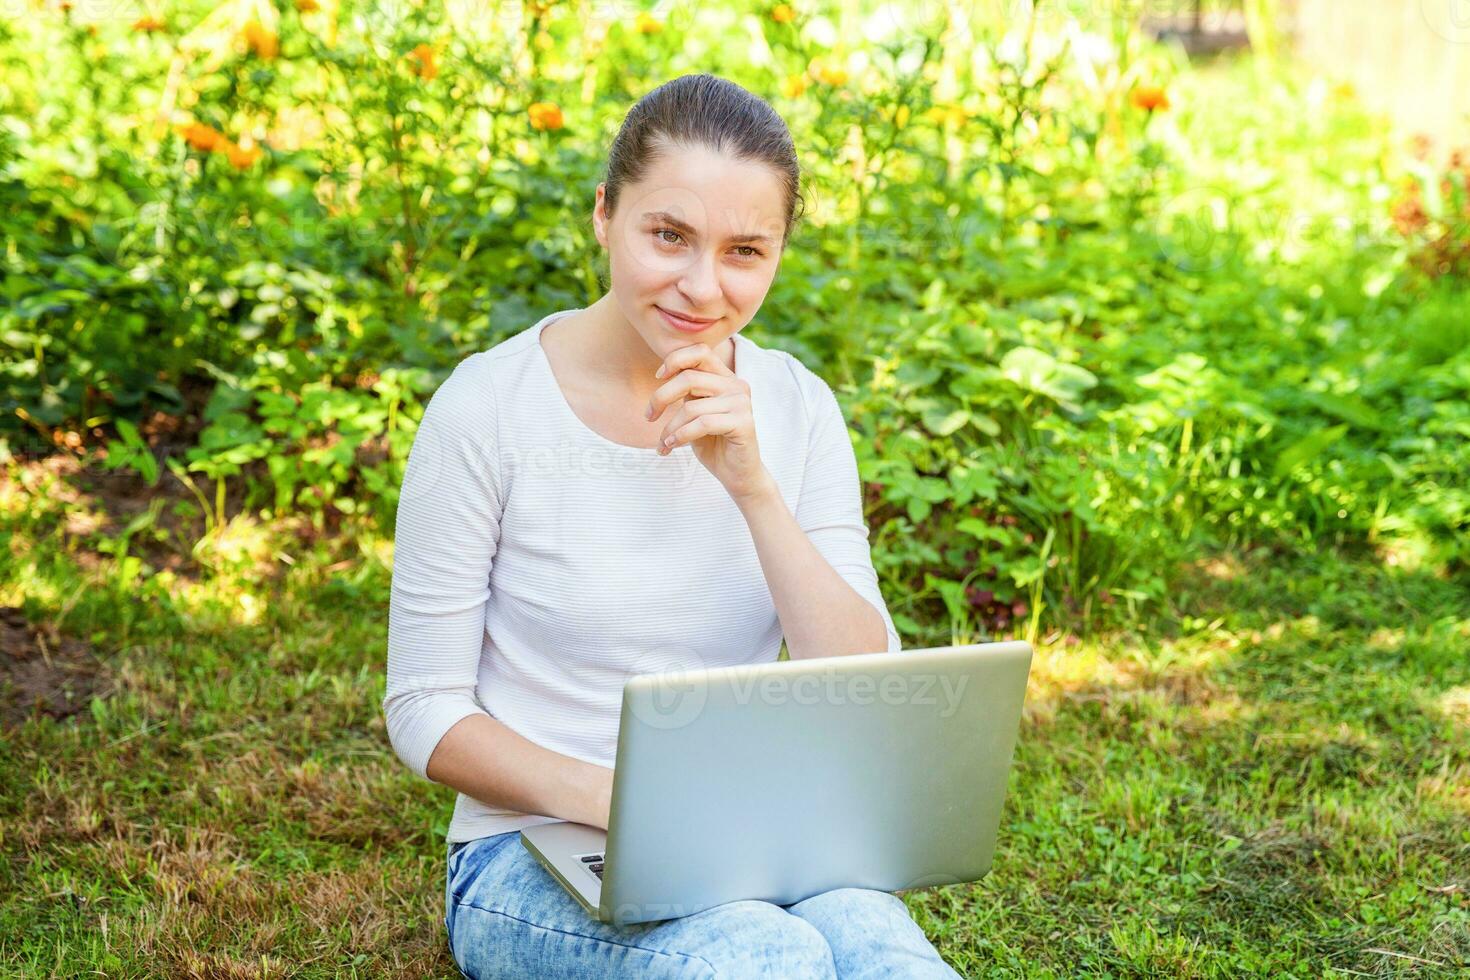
x,y
778,781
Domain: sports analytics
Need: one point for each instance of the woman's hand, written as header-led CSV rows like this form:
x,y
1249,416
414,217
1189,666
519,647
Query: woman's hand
x,y
714,416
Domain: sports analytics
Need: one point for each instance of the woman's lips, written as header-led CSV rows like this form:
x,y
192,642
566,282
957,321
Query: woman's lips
x,y
682,325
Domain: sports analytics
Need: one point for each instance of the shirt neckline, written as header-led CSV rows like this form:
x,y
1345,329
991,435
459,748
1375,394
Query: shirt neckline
x,y
566,407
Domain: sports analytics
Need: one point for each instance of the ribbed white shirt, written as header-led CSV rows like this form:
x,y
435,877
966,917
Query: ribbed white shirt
x,y
538,565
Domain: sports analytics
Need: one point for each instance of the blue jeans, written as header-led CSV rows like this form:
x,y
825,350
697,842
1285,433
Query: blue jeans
x,y
508,917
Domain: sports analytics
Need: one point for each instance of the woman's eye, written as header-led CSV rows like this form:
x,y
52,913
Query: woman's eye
x,y
668,236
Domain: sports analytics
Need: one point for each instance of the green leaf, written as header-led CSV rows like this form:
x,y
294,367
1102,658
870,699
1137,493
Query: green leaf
x,y
129,432
1348,408
918,509
1306,449
1037,371
943,423
982,531
985,424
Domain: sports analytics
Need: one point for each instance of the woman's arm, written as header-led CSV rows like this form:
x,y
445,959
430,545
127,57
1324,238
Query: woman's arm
x,y
446,538
817,561
488,761
821,615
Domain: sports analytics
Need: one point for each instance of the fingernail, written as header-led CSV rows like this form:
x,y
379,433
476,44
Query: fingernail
x,y
648,412
660,372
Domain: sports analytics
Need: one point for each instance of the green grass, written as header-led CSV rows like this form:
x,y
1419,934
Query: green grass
x,y
1272,779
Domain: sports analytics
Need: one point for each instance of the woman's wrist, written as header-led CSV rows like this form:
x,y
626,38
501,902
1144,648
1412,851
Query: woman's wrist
x,y
763,491
596,796
604,798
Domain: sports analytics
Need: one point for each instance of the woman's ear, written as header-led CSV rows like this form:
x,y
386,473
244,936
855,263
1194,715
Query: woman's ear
x,y
599,216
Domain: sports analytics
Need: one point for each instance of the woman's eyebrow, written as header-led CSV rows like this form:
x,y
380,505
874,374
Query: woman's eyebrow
x,y
687,229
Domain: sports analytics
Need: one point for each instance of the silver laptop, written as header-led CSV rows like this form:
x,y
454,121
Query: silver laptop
x,y
781,780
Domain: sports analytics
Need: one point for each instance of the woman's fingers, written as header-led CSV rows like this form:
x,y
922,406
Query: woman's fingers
x,y
713,400
695,359
714,424
701,356
694,384
732,412
695,407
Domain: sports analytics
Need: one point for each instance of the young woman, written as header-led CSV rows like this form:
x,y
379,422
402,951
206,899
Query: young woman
x,y
587,500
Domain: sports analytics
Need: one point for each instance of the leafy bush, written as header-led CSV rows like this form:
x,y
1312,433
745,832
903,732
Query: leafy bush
x,y
1086,307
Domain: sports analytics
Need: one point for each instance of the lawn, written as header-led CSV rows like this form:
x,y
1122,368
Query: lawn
x,y
1271,778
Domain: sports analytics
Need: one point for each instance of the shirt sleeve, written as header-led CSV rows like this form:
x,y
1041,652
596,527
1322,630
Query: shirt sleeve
x,y
447,530
830,506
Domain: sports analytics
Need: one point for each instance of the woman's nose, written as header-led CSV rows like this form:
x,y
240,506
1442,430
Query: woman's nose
x,y
700,283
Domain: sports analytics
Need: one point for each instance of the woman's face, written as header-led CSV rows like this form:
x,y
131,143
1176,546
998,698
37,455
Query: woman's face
x,y
699,236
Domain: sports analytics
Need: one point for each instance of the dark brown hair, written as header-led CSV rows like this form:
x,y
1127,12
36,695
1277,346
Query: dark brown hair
x,y
704,110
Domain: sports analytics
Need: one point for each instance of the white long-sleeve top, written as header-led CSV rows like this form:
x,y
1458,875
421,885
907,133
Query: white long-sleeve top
x,y
538,565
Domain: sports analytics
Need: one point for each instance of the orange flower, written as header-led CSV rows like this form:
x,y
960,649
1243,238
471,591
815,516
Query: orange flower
x,y
545,115
149,24
240,157
308,6
1150,97
783,13
422,63
202,137
262,42
646,23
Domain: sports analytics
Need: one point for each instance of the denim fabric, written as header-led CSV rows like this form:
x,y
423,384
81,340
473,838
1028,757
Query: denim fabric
x,y
506,917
